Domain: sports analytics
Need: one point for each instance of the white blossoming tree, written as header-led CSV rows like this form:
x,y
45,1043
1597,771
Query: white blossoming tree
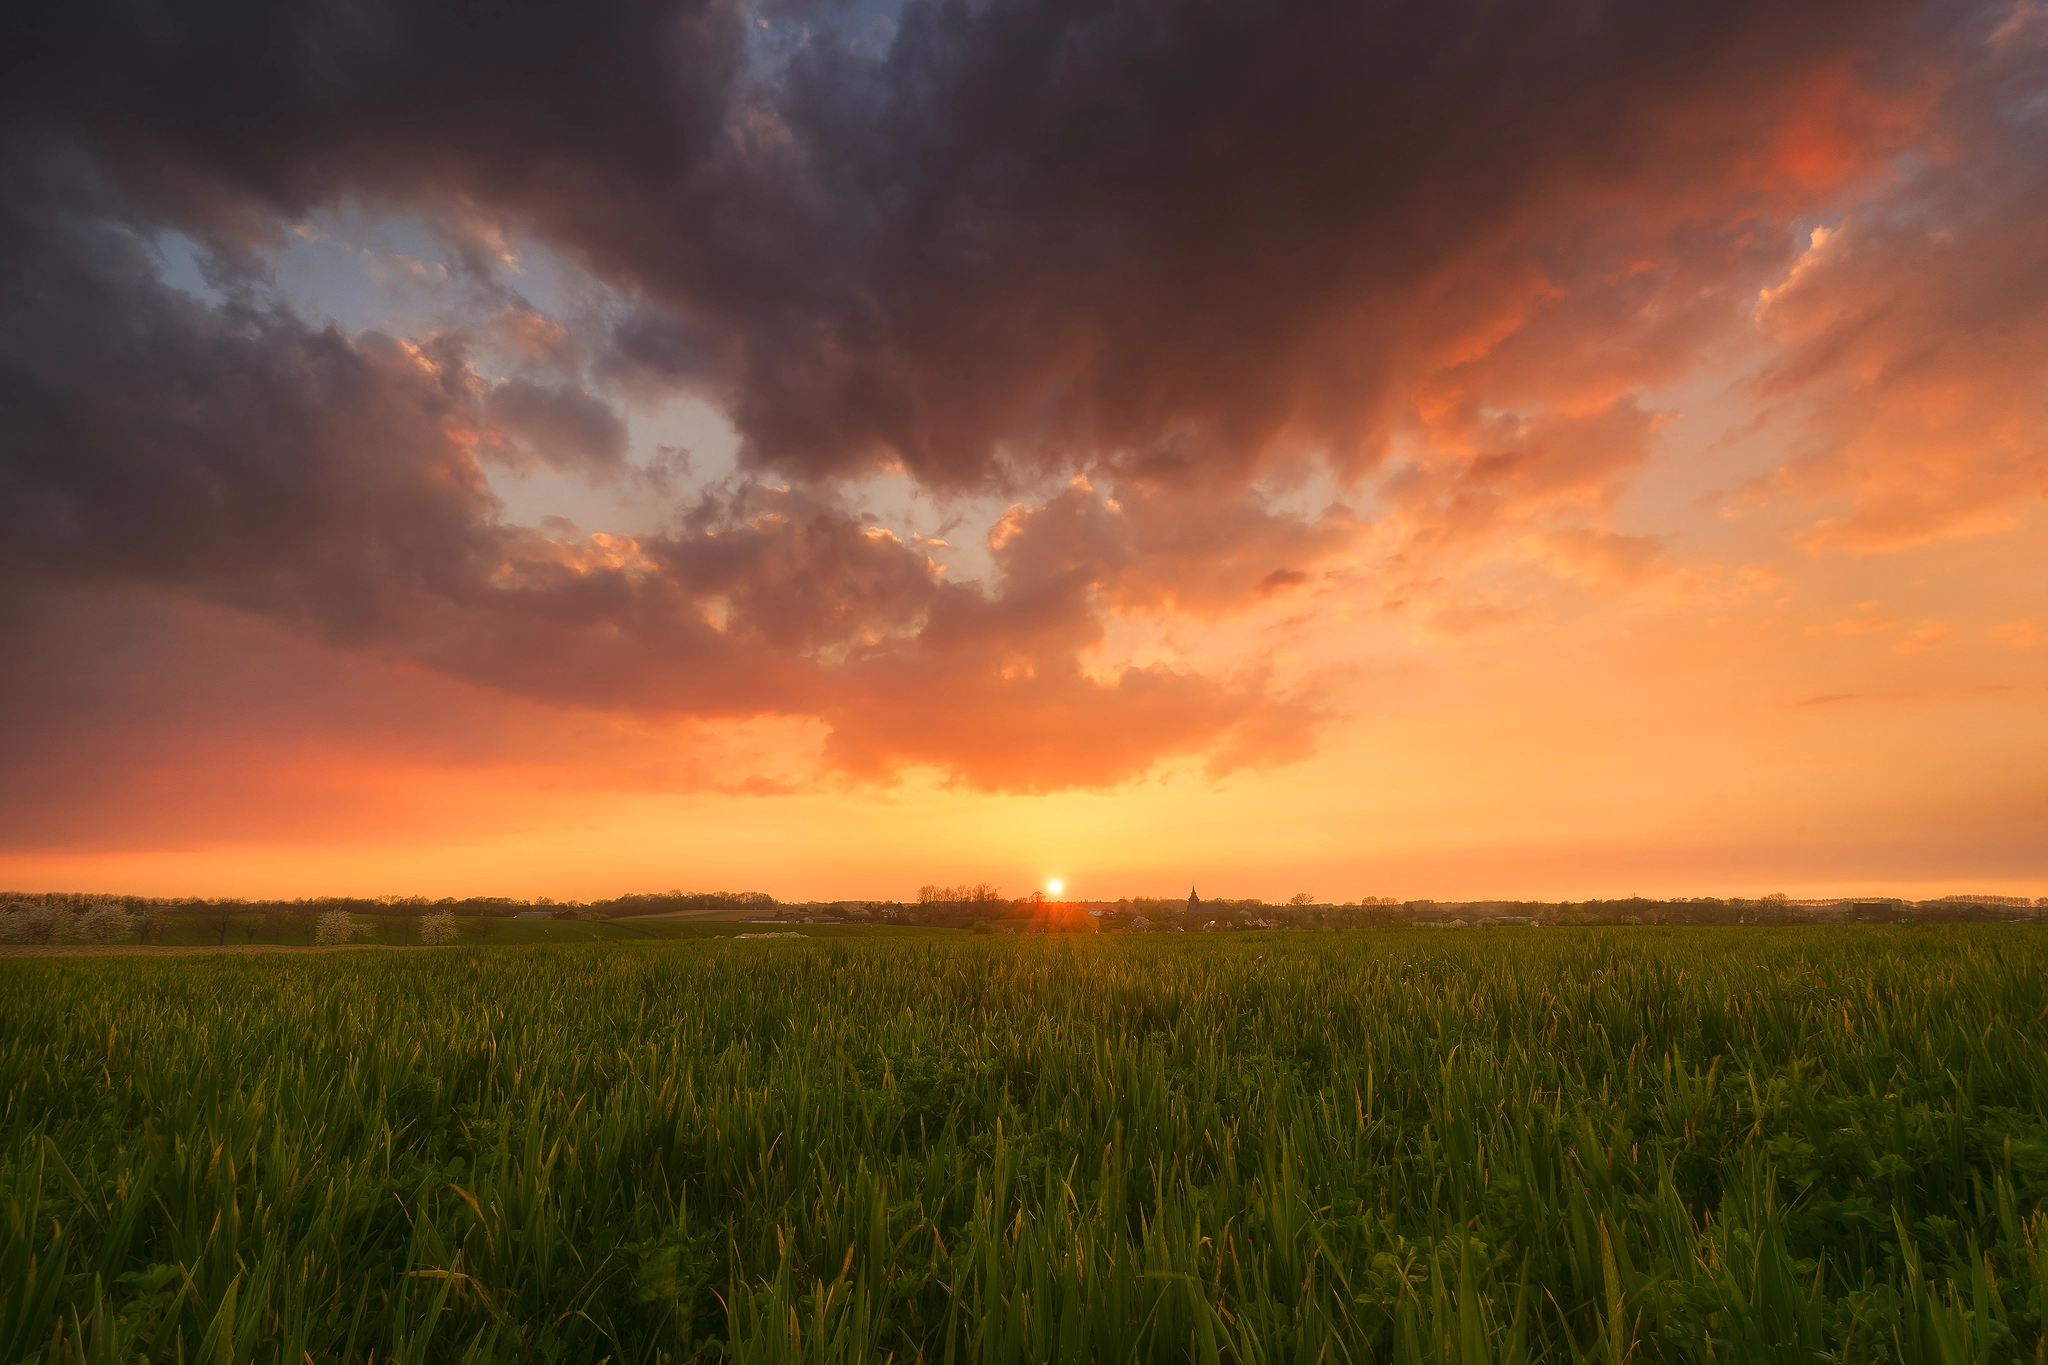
x,y
105,923
31,923
336,928
438,926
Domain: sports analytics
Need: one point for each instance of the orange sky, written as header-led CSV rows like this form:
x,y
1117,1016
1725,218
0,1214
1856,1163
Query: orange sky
x,y
1629,475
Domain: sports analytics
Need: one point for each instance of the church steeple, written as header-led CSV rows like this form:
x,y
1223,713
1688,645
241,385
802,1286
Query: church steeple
x,y
1194,901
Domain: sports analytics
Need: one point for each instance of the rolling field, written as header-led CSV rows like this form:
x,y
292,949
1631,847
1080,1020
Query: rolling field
x,y
259,930
1556,1145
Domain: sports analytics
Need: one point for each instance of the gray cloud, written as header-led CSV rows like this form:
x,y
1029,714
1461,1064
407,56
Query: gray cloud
x,y
562,427
1176,246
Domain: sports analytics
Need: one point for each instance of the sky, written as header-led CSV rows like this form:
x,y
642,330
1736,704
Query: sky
x,y
1452,450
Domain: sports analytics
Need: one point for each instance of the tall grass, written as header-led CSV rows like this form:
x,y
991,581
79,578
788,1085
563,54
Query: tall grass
x,y
1807,1145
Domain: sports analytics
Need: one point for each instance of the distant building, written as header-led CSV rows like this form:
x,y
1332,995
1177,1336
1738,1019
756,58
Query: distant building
x,y
1194,902
534,914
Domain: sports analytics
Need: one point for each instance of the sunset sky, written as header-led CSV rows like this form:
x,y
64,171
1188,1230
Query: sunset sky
x,y
1430,450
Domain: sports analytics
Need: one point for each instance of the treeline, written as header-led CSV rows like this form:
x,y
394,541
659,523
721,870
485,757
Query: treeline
x,y
684,902
51,916
983,907
500,907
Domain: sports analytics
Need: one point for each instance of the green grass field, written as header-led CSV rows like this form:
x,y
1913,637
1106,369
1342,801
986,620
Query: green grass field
x,y
1555,1145
187,931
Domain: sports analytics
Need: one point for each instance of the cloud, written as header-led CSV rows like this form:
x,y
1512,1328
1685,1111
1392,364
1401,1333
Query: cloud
x,y
233,450
1488,473
153,721
1603,560
1144,272
332,484
1911,333
563,428
1023,237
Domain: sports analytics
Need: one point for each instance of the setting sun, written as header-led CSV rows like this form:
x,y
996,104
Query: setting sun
x,y
1055,886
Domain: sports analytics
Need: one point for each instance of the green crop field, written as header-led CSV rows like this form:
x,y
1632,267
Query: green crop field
x,y
243,930
1557,1145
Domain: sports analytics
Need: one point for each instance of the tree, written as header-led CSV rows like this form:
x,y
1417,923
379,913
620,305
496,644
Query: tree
x,y
437,927
1301,898
50,924
215,922
32,923
337,927
104,923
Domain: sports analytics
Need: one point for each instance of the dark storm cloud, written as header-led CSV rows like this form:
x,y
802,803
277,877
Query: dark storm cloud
x,y
1175,236
230,111
232,452
150,435
1173,245
1031,235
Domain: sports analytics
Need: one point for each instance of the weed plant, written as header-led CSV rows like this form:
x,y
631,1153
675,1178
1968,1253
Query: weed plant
x,y
1555,1145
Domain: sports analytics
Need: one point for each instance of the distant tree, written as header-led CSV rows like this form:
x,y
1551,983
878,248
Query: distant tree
x,y
337,927
105,923
437,927
31,922
213,922
50,923
1301,898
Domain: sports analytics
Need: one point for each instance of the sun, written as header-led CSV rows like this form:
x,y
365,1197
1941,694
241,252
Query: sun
x,y
1055,886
